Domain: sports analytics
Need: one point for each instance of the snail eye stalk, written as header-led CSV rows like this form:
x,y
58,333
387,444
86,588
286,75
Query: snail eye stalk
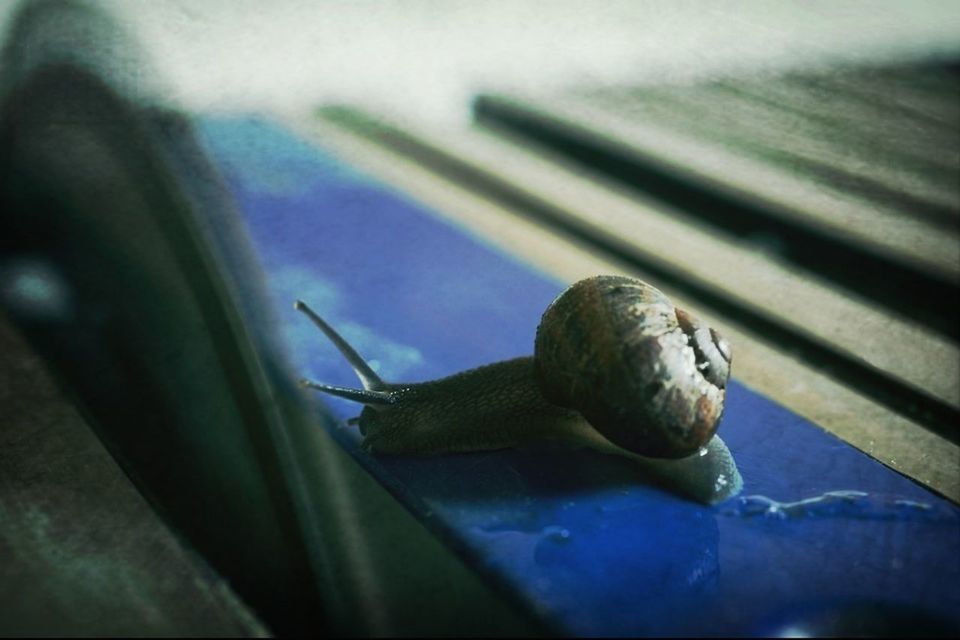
x,y
366,396
375,391
371,381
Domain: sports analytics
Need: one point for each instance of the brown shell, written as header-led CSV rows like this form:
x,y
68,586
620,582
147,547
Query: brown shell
x,y
647,376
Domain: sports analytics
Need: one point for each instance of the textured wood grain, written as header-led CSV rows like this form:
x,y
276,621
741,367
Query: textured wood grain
x,y
832,211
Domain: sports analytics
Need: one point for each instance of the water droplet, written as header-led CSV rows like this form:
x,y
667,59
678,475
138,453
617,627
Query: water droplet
x,y
846,504
912,505
720,482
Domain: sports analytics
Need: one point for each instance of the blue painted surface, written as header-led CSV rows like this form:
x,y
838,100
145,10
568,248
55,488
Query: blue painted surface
x,y
578,536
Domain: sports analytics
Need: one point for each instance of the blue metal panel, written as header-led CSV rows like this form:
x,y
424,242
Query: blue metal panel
x,y
579,537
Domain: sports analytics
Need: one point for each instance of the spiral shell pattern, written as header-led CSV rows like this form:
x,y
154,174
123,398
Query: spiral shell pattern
x,y
649,377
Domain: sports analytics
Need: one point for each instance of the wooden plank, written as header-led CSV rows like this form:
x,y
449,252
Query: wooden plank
x,y
866,424
872,119
81,551
931,94
830,210
797,144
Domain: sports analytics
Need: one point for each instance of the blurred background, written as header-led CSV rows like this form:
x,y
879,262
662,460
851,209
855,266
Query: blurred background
x,y
175,172
428,59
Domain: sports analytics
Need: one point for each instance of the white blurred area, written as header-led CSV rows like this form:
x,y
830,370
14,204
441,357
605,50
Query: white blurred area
x,y
425,59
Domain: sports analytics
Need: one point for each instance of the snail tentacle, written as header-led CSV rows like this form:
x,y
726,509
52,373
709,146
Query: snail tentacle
x,y
368,397
368,377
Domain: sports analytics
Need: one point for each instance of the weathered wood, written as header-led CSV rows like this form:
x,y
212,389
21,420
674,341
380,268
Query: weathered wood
x,y
81,551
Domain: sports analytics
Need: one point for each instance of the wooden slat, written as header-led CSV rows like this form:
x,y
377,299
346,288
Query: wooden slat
x,y
866,424
843,105
797,144
784,193
82,553
930,95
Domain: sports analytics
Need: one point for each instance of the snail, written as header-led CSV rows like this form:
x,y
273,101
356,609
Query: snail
x,y
616,368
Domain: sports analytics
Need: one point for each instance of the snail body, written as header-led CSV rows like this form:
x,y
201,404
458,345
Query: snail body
x,y
474,410
616,368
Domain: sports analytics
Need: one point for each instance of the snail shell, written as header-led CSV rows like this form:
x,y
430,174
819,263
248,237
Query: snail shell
x,y
649,377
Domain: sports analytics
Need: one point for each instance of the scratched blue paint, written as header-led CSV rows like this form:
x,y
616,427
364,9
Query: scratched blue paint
x,y
578,537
